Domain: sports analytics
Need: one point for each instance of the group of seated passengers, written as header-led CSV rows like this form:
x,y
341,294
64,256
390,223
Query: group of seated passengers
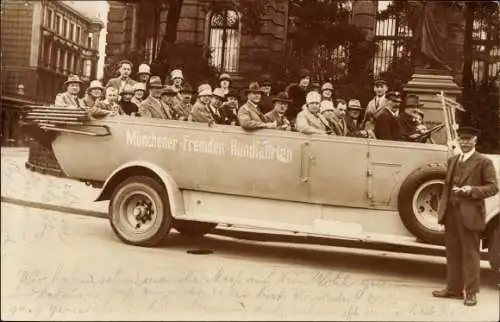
x,y
318,114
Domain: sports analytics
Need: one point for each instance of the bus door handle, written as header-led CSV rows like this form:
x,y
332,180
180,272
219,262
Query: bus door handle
x,y
305,165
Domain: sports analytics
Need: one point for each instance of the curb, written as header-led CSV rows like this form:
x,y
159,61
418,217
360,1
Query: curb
x,y
46,206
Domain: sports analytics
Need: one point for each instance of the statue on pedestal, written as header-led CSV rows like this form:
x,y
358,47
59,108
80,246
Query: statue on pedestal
x,y
434,24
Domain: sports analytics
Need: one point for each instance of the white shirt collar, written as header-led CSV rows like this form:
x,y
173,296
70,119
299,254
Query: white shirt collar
x,y
466,156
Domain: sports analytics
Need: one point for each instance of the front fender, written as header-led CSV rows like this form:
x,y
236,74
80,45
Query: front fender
x,y
150,169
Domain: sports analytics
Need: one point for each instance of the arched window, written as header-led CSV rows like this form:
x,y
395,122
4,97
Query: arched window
x,y
224,40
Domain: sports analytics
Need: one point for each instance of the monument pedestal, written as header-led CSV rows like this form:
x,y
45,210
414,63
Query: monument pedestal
x,y
426,84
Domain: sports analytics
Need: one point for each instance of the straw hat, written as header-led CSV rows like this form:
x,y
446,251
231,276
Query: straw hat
x,y
204,90
95,84
73,79
155,82
144,69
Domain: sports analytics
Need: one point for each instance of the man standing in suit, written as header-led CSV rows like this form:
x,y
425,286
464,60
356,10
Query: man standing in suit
x,y
151,106
469,180
376,104
124,78
387,126
250,116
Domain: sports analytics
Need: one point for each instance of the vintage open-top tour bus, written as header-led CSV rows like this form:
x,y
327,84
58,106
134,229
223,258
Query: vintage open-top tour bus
x,y
164,174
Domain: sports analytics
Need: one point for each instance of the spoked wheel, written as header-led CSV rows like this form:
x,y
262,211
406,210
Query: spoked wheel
x,y
140,212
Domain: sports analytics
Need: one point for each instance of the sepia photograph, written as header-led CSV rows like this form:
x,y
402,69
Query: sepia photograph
x,y
250,160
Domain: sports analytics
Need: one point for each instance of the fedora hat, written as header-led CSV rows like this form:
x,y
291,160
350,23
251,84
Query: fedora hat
x,y
468,130
95,84
265,80
144,69
254,87
412,100
393,96
282,97
204,90
73,79
139,87
354,104
155,82
176,73
169,91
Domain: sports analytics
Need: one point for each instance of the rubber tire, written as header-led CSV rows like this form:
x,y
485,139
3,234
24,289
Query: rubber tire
x,y
494,249
193,228
162,198
405,199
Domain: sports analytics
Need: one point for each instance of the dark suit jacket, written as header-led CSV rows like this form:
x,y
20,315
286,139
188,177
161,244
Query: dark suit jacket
x,y
479,173
266,103
117,83
298,97
387,126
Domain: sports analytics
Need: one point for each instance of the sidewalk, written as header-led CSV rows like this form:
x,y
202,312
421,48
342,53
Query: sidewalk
x,y
29,188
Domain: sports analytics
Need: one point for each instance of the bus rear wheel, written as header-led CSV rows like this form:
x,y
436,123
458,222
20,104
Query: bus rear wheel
x,y
193,228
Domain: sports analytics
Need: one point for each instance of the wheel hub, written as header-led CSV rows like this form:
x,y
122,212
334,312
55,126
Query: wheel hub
x,y
143,212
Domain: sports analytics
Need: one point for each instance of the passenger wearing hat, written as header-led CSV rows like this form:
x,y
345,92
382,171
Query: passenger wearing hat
x,y
229,108
297,93
201,111
266,101
377,103
277,115
177,79
470,179
387,125
128,107
151,106
93,93
250,117
215,105
410,126
184,107
139,93
310,120
225,82
167,99
70,97
353,122
125,68
144,73
327,92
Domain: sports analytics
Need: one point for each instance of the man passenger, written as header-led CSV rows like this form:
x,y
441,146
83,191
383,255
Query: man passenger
x,y
277,115
309,120
151,106
70,97
266,101
250,116
215,104
353,122
125,68
387,126
167,99
376,105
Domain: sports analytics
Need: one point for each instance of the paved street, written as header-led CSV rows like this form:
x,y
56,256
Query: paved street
x,y
61,267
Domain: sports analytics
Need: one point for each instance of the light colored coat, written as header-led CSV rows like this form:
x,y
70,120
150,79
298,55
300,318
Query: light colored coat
x,y
201,113
151,107
308,123
67,100
250,117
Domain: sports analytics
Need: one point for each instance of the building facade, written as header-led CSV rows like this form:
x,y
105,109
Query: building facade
x,y
216,26
42,43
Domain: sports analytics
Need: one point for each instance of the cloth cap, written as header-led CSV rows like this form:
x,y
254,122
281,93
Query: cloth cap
x,y
313,97
379,81
394,96
468,130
